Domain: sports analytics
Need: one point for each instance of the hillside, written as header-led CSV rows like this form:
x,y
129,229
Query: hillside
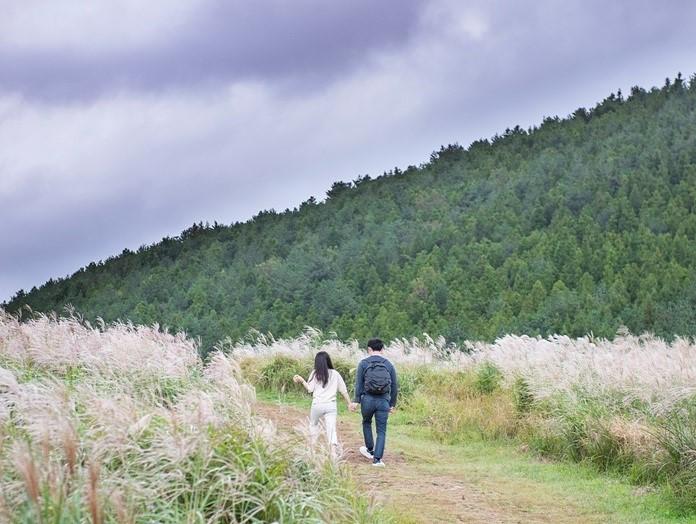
x,y
579,225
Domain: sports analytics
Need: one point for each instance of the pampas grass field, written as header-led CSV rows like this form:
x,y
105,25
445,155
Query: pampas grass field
x,y
123,423
626,405
126,424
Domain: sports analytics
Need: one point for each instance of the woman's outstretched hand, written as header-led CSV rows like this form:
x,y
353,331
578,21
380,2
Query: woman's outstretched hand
x,y
297,379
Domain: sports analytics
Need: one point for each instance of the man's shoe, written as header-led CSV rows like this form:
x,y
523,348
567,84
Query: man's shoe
x,y
366,453
378,464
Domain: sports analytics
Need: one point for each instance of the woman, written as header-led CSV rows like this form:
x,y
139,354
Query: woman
x,y
324,382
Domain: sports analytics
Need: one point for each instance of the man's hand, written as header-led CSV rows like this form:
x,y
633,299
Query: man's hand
x,y
392,409
353,406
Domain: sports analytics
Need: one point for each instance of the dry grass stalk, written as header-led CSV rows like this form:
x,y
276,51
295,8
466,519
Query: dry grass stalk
x,y
93,493
25,465
123,514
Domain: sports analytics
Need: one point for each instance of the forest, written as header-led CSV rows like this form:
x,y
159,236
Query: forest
x,y
580,225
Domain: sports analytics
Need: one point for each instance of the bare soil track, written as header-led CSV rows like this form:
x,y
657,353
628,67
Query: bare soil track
x,y
426,487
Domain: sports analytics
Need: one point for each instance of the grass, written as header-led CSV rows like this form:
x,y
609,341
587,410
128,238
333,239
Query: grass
x,y
621,405
500,467
625,441
518,479
126,424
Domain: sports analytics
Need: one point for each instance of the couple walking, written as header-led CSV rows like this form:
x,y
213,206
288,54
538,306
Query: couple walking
x,y
376,390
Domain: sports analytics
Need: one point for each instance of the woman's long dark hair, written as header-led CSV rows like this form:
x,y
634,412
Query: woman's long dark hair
x,y
322,365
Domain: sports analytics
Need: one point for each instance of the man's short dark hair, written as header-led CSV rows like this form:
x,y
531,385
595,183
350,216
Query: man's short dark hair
x,y
375,344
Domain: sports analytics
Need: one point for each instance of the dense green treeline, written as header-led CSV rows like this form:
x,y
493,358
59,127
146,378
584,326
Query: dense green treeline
x,y
579,225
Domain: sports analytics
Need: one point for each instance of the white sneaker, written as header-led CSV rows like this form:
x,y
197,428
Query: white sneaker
x,y
365,453
378,464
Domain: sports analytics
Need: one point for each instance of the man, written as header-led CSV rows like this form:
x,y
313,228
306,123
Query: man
x,y
376,390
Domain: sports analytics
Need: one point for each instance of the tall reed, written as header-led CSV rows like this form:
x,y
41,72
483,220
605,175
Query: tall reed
x,y
125,423
625,404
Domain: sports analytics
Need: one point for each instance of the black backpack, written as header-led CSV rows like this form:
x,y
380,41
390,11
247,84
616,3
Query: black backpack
x,y
377,377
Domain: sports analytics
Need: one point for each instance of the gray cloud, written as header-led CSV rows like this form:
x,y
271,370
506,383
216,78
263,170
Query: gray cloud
x,y
304,41
141,137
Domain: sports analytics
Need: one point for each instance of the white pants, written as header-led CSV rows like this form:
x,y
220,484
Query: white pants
x,y
327,412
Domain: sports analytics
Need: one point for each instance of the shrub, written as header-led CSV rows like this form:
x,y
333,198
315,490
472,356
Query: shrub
x,y
522,396
488,378
412,377
676,433
277,374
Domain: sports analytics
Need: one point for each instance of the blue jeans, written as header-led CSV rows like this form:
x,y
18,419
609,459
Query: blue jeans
x,y
378,407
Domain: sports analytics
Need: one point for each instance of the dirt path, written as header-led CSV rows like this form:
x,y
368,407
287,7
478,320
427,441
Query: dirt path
x,y
422,486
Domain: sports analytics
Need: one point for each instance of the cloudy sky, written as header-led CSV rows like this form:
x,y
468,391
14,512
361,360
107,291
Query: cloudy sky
x,y
123,121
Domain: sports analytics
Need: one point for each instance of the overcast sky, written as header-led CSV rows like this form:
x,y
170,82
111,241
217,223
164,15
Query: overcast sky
x,y
123,121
